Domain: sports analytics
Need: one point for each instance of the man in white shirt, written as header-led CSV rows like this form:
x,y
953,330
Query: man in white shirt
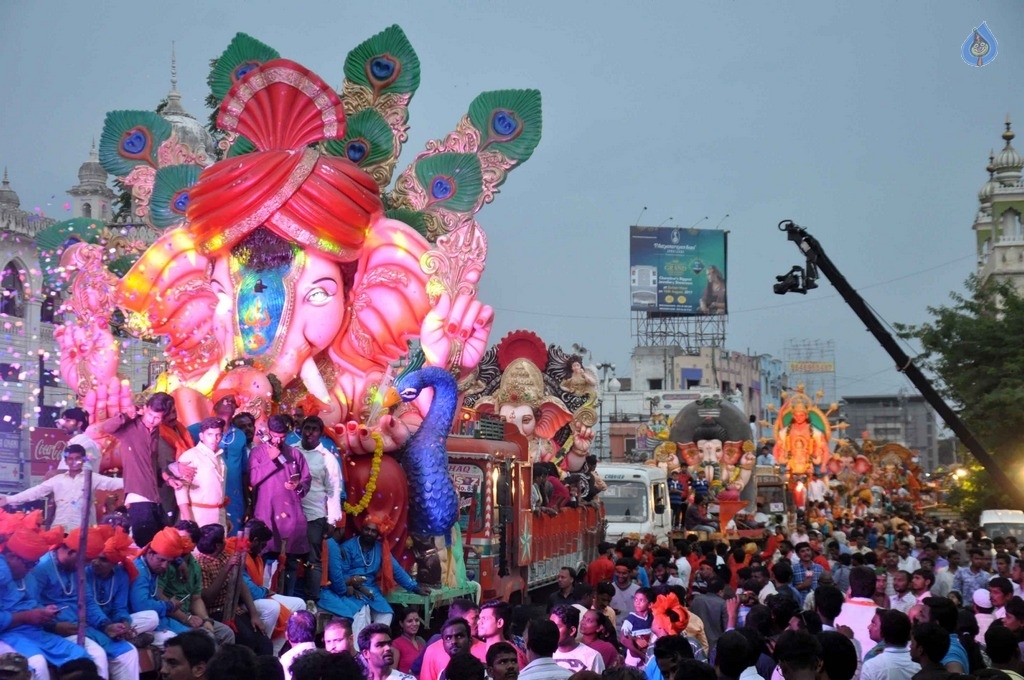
x,y
800,535
68,490
202,498
907,562
74,421
816,489
859,609
894,663
571,654
300,631
902,599
322,503
541,640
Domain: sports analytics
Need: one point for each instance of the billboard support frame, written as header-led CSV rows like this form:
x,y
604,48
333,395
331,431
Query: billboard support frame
x,y
688,333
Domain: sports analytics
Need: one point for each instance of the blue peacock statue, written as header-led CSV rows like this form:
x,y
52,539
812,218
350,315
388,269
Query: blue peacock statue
x,y
433,500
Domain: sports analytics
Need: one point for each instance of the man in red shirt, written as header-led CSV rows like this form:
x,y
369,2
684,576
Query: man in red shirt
x,y
602,568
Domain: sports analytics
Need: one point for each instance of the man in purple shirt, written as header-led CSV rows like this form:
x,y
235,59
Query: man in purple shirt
x,y
280,478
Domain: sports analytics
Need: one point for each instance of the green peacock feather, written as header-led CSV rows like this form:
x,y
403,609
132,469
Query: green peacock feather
x,y
451,181
241,146
131,138
169,201
509,121
368,140
120,265
413,218
243,55
55,237
385,63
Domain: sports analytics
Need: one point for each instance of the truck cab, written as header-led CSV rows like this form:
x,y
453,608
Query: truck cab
x,y
636,501
1003,523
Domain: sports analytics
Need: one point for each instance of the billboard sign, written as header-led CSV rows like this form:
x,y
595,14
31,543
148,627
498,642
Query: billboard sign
x,y
47,448
675,270
800,367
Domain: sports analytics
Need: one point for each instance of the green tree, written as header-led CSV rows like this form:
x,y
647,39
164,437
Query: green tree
x,y
973,348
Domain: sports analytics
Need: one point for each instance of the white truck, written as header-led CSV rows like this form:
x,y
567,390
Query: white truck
x,y
636,501
1003,523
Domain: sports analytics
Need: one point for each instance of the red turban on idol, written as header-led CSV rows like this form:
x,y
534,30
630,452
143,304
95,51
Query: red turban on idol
x,y
311,199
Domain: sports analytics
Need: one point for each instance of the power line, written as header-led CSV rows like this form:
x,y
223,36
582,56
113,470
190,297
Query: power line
x,y
817,298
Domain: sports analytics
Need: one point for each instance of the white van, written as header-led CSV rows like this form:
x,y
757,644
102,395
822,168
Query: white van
x,y
1003,523
636,501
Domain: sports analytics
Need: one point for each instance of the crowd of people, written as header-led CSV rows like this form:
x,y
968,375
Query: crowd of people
x,y
217,562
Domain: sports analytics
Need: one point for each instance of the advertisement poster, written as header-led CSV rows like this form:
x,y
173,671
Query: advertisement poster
x,y
679,271
46,445
469,483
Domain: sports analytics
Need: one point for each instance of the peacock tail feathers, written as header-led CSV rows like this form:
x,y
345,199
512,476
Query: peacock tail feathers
x,y
369,143
120,265
451,181
413,218
508,121
241,56
240,147
131,139
169,200
500,131
384,64
56,237
382,74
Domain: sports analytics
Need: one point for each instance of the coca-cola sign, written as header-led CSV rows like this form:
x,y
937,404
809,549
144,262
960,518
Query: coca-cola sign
x,y
47,448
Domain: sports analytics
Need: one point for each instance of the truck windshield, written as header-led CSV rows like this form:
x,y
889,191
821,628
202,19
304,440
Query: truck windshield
x,y
625,501
1004,529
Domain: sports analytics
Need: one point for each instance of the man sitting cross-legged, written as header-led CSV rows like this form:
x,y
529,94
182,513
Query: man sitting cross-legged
x,y
57,584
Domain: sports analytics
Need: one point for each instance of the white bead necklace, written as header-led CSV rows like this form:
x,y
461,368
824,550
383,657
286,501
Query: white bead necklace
x,y
60,579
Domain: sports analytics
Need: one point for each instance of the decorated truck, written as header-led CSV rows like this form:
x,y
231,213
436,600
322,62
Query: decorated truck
x,y
543,400
509,548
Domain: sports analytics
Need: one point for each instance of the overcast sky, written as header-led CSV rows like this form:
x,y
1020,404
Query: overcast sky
x,y
858,120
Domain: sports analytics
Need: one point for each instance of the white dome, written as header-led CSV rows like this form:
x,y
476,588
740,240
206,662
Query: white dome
x,y
1008,162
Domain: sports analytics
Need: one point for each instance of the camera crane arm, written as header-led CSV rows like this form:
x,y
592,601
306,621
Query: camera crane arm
x,y
800,280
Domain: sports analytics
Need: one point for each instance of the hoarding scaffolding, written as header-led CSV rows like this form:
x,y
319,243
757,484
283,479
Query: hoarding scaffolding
x,y
688,333
812,363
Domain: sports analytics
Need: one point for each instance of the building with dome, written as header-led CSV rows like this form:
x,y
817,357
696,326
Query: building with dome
x,y
92,197
31,392
998,228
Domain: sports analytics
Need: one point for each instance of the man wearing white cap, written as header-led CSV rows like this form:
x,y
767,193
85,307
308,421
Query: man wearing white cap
x,y
982,613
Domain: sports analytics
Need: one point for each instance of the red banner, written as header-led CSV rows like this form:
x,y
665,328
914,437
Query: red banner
x,y
47,447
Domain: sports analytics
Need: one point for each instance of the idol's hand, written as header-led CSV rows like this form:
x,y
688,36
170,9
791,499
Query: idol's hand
x,y
89,354
454,333
359,440
109,399
583,438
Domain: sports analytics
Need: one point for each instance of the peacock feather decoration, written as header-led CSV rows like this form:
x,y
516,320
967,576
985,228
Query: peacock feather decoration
x,y
438,194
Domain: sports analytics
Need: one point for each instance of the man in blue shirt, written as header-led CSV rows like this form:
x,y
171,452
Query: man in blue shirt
x,y
57,585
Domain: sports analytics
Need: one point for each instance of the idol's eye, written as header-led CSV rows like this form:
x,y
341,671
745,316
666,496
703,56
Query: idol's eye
x,y
409,393
318,296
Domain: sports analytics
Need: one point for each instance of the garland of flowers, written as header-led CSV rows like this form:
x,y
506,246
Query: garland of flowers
x,y
371,483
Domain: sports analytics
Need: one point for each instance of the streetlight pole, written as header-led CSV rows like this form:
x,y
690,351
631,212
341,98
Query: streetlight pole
x,y
604,367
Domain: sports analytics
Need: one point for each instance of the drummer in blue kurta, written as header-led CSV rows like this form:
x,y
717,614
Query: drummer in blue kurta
x,y
58,585
236,460
354,568
21,617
